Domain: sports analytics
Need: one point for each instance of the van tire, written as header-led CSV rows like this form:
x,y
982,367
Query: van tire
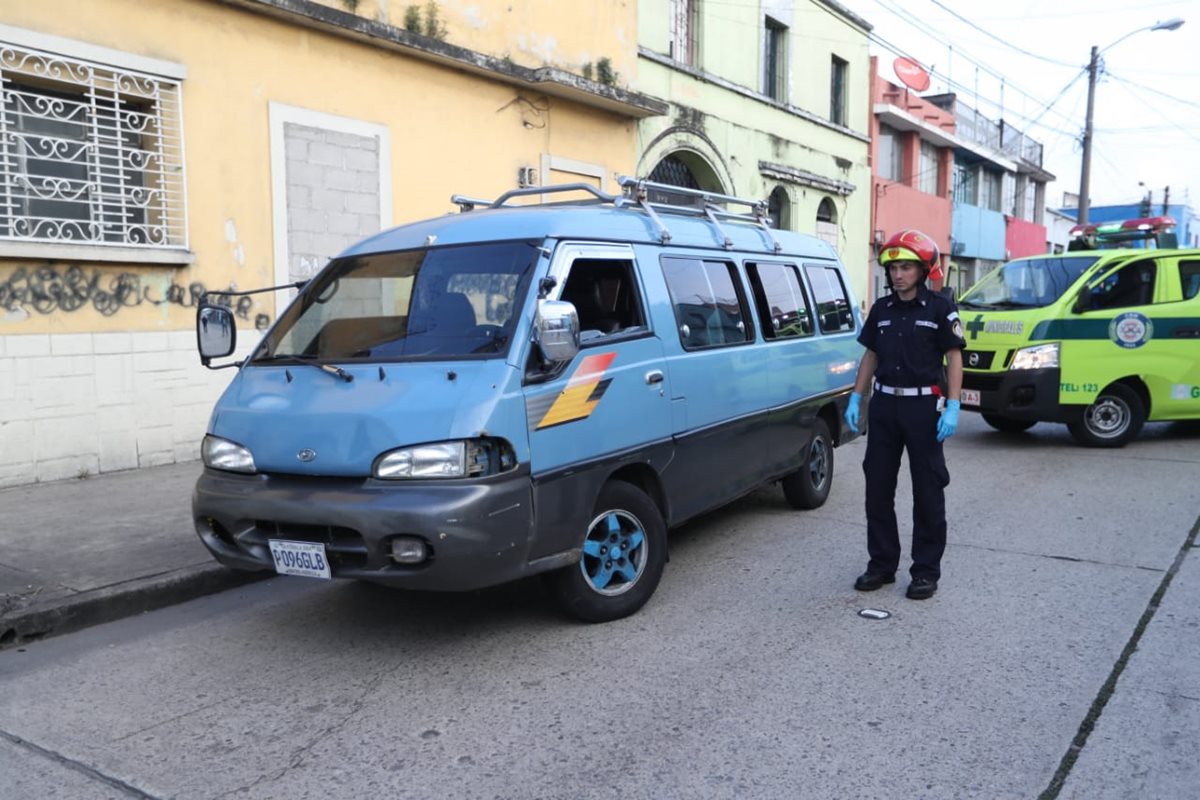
x,y
1008,424
596,589
1112,421
808,487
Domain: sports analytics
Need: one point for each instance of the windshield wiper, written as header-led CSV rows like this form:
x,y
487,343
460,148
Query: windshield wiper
x,y
976,304
308,361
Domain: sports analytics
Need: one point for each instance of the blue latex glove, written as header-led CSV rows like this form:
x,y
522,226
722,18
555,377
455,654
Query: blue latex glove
x,y
851,415
948,422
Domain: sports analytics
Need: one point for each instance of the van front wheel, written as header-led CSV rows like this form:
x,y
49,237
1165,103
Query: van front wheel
x,y
808,487
624,551
1111,421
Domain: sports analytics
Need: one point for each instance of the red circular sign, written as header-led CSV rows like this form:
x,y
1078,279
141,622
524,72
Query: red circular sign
x,y
911,74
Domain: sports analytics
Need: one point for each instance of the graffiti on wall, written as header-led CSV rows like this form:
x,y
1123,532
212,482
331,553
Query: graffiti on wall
x,y
50,289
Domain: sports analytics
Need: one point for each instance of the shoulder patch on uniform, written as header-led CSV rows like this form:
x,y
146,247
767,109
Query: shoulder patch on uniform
x,y
953,315
957,328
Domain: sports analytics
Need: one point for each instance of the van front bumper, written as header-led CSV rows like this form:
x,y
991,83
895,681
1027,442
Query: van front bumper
x,y
478,532
1025,394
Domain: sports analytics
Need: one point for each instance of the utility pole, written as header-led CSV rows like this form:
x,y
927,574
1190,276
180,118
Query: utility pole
x,y
1166,199
1085,171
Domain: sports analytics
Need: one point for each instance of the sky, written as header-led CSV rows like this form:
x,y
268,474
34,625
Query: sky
x,y
1025,61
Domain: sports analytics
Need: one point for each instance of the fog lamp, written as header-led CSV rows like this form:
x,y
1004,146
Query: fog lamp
x,y
409,550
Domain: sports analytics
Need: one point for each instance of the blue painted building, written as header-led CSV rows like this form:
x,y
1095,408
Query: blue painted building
x,y
1187,232
999,194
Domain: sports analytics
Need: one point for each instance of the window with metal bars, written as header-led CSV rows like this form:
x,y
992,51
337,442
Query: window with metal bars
x,y
89,154
929,176
775,60
891,154
685,32
838,91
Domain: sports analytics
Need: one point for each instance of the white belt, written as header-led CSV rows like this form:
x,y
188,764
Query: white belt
x,y
906,391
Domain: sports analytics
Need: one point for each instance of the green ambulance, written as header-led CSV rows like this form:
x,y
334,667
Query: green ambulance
x,y
1099,339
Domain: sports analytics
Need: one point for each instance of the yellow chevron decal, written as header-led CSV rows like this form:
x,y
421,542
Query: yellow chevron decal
x,y
584,390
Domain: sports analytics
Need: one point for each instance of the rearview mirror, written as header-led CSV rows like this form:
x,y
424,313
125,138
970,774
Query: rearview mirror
x,y
216,332
557,326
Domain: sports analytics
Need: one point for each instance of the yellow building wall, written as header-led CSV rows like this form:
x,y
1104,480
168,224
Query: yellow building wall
x,y
450,131
533,33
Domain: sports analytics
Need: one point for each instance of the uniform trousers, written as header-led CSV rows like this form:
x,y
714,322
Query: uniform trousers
x,y
896,424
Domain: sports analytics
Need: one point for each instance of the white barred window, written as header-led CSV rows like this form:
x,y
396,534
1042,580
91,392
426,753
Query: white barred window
x,y
89,154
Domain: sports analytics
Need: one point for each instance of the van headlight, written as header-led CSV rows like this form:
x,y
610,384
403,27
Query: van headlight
x,y
460,459
1041,356
223,454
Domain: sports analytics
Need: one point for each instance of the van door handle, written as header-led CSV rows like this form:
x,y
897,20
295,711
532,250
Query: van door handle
x,y
654,376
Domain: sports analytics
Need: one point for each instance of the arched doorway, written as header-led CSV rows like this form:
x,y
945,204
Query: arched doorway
x,y
827,223
687,170
779,209
675,171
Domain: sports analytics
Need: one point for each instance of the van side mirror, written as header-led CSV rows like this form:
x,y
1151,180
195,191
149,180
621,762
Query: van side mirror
x,y
216,332
557,330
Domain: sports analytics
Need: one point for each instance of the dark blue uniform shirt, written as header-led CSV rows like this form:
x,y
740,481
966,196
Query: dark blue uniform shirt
x,y
912,337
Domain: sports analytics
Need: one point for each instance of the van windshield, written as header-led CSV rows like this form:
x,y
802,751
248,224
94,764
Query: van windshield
x,y
1027,283
443,303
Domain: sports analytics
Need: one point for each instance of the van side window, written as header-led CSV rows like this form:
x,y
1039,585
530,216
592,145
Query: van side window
x,y
1189,278
605,296
709,307
1131,285
832,299
782,305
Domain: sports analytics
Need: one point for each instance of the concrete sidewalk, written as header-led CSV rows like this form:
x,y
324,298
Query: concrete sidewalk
x,y
83,551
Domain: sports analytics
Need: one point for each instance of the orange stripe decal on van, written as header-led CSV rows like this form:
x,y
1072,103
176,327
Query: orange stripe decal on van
x,y
582,393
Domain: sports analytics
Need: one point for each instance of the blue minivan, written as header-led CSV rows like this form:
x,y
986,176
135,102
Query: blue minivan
x,y
526,388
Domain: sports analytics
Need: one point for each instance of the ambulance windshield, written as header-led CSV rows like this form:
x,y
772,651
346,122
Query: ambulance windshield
x,y
1027,283
444,303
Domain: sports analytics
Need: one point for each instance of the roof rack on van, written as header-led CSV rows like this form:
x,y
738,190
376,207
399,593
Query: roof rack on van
x,y
637,193
707,205
465,203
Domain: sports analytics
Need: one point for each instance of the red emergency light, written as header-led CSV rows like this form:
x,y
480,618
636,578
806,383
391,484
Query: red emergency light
x,y
1139,232
1155,224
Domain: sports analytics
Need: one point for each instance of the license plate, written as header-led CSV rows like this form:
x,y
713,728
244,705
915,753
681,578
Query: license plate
x,y
969,397
300,558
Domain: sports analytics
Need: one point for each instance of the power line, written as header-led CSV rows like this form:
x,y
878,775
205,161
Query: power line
x,y
1142,100
933,33
950,82
991,35
1152,90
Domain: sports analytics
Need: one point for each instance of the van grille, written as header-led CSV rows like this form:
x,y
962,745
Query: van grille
x,y
978,359
344,546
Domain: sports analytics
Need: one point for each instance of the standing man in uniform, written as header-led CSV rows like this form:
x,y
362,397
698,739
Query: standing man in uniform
x,y
909,335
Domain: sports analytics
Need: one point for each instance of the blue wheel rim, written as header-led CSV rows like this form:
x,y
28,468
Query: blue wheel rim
x,y
614,552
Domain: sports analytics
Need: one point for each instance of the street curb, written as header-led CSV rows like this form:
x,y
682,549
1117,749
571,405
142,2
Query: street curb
x,y
110,603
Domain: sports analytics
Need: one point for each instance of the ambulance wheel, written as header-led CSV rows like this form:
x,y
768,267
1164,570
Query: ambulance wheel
x,y
624,551
1111,421
808,487
1007,424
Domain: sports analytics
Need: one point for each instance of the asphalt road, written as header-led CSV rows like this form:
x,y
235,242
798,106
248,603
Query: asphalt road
x,y
1069,611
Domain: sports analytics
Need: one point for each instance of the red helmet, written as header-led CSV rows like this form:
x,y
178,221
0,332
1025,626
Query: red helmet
x,y
910,245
